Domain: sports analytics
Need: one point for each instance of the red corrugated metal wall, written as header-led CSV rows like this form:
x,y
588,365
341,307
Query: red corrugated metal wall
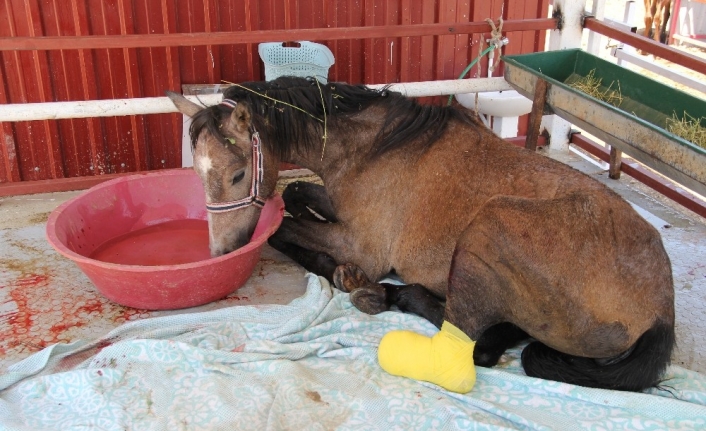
x,y
41,150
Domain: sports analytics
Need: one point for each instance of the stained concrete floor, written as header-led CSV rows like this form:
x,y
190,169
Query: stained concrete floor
x,y
45,298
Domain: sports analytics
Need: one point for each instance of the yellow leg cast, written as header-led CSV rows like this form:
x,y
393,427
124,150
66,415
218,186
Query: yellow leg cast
x,y
446,359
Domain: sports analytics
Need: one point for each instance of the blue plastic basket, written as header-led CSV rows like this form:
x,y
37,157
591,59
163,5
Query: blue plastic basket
x,y
308,59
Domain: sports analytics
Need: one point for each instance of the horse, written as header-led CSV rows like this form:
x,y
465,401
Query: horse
x,y
502,242
657,14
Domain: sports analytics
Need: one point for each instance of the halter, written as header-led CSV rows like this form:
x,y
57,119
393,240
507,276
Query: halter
x,y
254,197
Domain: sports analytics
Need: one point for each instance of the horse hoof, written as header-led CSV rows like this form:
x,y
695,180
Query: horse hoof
x,y
486,359
370,299
349,277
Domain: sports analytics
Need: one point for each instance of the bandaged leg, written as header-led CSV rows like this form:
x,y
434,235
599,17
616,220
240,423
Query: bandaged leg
x,y
446,359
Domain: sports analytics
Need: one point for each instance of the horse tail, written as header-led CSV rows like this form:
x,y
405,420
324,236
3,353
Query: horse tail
x,y
639,368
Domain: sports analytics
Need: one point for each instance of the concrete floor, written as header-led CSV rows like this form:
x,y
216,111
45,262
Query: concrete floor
x,y
45,298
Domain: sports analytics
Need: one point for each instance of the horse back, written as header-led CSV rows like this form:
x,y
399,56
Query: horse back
x,y
581,276
440,195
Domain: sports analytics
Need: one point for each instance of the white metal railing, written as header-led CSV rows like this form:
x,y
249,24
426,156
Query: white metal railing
x,y
162,105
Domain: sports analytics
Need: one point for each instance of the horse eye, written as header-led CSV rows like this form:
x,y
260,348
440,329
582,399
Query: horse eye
x,y
238,177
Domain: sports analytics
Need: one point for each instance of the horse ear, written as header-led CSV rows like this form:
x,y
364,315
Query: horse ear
x,y
241,117
184,105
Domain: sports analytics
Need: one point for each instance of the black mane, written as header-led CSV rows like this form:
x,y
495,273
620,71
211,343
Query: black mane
x,y
285,129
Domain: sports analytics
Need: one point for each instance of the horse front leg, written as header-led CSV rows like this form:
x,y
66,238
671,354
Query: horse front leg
x,y
308,201
318,246
657,23
666,6
373,298
650,12
313,261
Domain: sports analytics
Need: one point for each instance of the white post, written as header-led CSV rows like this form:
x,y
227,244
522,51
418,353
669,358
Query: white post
x,y
187,159
629,19
505,127
571,12
630,14
596,41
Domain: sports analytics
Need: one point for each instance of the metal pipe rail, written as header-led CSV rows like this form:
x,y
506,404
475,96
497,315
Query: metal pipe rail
x,y
259,36
648,45
162,105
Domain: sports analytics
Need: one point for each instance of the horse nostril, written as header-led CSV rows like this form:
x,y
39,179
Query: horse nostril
x,y
222,251
218,252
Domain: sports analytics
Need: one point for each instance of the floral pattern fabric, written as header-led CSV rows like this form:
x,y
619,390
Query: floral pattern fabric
x,y
309,365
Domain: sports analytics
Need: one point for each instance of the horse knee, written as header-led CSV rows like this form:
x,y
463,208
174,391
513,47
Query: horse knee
x,y
295,202
291,194
309,201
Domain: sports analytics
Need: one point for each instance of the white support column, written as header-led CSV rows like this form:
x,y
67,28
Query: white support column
x,y
629,19
506,127
187,159
568,37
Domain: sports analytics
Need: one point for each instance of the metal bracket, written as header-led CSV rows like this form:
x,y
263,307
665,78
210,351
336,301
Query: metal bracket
x,y
585,15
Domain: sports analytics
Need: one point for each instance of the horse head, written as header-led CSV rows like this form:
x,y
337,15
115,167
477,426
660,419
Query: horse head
x,y
236,173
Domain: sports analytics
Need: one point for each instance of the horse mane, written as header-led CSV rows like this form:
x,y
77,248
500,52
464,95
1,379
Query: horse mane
x,y
285,129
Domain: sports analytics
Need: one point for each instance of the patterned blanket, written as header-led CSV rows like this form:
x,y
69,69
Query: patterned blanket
x,y
309,365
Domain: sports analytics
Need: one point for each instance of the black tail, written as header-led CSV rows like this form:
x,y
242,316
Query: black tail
x,y
640,369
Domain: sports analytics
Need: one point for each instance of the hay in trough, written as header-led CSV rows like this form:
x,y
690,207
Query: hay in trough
x,y
592,86
688,128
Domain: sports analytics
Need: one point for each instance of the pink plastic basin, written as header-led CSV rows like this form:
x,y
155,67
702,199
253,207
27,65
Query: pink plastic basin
x,y
117,207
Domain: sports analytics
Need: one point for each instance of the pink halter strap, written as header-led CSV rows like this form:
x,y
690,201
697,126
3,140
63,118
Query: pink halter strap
x,y
257,173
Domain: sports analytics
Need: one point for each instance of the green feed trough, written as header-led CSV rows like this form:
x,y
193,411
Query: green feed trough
x,y
636,126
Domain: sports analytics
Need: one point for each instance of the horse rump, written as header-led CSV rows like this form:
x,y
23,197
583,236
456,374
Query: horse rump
x,y
642,367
